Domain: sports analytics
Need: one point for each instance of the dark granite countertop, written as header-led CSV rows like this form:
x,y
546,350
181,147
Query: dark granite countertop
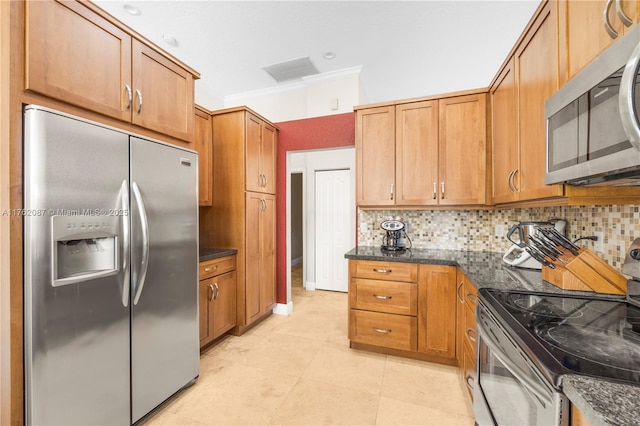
x,y
484,269
603,402
215,253
600,401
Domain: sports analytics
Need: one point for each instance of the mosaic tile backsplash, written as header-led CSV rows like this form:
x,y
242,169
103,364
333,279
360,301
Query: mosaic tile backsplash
x,y
481,230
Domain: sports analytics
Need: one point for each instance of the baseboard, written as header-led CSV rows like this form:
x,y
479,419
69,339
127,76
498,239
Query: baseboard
x,y
283,308
310,286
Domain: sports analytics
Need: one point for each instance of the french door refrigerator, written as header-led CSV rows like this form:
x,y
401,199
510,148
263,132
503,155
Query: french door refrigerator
x,y
110,271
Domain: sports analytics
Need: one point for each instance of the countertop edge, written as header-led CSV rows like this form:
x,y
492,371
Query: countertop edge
x,y
603,402
205,254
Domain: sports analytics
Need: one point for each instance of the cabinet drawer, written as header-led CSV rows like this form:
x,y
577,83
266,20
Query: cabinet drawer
x,y
211,268
384,296
387,330
391,271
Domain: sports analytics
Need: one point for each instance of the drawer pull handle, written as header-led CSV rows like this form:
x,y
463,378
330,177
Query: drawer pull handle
x,y
472,298
212,293
377,296
382,271
210,268
471,334
380,330
469,381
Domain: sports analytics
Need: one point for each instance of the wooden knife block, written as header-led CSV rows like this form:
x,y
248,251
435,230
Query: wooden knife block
x,y
586,272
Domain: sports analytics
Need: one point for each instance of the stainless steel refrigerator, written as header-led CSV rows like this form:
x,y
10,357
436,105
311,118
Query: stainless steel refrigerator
x,y
110,271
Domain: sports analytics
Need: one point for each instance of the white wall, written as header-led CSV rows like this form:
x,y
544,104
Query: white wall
x,y
307,162
310,97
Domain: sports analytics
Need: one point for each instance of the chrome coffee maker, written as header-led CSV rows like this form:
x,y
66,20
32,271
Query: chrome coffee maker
x,y
395,238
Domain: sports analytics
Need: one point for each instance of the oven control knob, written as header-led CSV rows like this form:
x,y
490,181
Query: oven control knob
x,y
635,254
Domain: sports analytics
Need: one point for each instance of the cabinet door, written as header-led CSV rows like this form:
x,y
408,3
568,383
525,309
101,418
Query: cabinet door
x,y
582,31
205,296
462,150
504,136
254,206
162,94
74,55
268,155
268,254
536,62
437,310
253,174
375,156
204,147
416,153
223,310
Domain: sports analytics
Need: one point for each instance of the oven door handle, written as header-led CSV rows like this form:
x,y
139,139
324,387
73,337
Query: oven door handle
x,y
534,388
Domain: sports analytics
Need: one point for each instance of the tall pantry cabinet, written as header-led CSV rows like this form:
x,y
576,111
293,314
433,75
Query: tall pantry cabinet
x,y
243,214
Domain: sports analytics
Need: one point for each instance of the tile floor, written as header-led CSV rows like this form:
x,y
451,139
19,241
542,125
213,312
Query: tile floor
x,y
299,370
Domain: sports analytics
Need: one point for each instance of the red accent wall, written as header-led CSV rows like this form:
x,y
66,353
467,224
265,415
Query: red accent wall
x,y
300,135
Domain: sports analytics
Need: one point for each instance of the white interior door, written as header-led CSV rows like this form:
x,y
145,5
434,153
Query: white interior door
x,y
333,228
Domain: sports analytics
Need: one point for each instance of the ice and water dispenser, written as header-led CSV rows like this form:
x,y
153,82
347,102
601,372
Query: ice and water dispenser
x,y
84,248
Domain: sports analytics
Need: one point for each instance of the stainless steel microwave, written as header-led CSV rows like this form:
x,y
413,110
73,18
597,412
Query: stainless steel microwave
x,y
593,121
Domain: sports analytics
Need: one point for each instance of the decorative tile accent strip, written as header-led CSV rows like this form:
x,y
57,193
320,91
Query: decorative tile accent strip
x,y
481,230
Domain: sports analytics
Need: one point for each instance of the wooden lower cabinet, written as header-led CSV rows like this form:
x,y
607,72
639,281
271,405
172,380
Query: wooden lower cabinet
x,y
404,309
437,310
217,298
467,299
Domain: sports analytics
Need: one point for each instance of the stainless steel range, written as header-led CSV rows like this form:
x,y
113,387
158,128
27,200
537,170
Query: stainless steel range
x,y
528,341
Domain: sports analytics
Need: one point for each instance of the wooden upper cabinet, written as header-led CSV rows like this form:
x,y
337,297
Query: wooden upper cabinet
x,y
536,65
260,155
416,152
203,139
430,152
503,135
462,160
375,156
582,30
268,157
76,56
162,94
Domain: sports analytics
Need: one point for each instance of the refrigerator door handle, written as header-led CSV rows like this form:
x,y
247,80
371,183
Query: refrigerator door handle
x,y
144,264
125,243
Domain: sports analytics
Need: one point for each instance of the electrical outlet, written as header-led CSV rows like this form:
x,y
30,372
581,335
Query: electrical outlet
x,y
500,231
599,244
363,227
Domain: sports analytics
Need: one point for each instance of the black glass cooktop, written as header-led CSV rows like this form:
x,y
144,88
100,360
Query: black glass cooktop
x,y
563,334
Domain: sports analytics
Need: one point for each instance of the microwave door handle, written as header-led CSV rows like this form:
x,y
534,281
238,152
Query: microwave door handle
x,y
144,264
626,99
531,386
124,190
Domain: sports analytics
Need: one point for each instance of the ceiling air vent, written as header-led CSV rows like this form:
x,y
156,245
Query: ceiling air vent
x,y
291,70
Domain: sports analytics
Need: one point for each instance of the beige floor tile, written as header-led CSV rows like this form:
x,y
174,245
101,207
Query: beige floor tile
x,y
426,384
235,395
393,412
341,366
315,403
167,418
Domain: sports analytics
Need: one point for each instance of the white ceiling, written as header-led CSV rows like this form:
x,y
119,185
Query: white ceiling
x,y
405,49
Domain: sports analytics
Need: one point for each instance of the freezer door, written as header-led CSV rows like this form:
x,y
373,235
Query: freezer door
x,y
76,323
165,350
